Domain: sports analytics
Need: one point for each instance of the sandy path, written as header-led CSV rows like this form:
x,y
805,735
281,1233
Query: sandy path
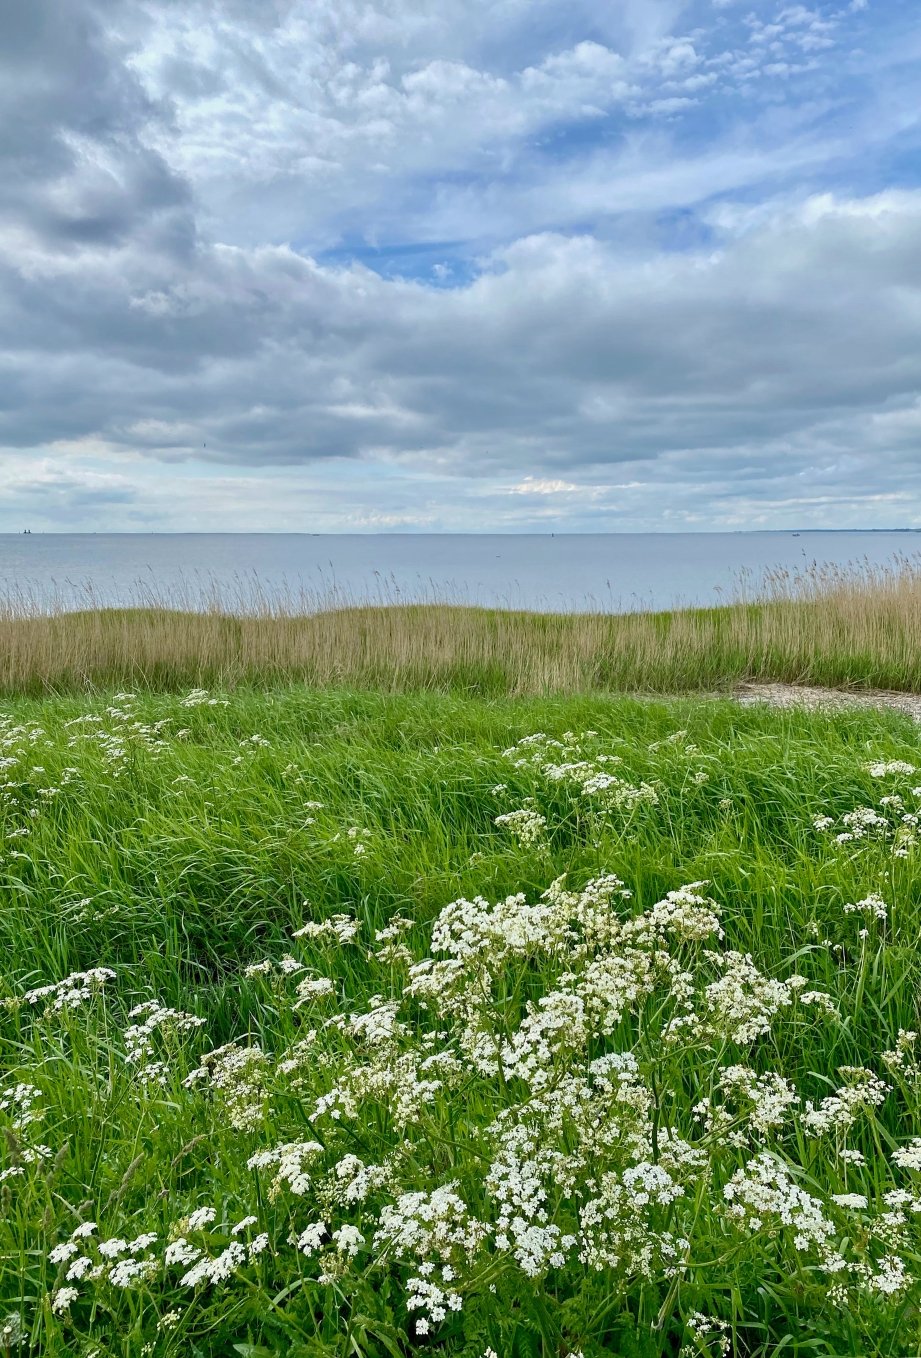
x,y
794,695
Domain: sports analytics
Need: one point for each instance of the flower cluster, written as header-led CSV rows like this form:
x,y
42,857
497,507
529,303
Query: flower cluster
x,y
526,824
88,1261
583,1164
20,1123
895,820
575,1092
74,991
576,762
238,1075
155,1021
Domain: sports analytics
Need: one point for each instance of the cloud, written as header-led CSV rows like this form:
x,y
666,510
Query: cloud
x,y
309,121
448,265
78,168
736,362
542,485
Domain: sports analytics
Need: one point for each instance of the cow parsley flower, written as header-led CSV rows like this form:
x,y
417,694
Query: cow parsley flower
x,y
908,1157
526,824
884,767
201,1217
872,906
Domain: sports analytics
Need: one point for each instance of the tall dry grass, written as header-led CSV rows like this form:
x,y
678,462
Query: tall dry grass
x,y
853,627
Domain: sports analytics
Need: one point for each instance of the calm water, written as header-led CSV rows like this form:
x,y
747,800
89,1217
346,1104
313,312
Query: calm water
x,y
566,571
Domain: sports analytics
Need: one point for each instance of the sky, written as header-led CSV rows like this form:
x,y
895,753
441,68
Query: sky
x,y
458,265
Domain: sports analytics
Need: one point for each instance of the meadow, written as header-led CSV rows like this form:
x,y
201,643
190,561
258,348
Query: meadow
x,y
339,1023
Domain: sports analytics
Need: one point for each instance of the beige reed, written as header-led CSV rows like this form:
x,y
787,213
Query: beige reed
x,y
854,627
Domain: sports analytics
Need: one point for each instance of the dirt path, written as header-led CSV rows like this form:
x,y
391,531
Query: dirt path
x,y
793,695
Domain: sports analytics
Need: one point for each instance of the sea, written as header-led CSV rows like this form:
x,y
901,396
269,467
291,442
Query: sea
x,y
610,572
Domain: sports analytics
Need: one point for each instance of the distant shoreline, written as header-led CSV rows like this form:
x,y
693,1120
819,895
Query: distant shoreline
x,y
422,533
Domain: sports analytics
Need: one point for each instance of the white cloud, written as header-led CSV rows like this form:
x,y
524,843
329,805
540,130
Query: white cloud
x,y
542,485
329,117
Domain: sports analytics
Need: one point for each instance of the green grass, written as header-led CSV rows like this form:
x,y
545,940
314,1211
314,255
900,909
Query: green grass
x,y
180,860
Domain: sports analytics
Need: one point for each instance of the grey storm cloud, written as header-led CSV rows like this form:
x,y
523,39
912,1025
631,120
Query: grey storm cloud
x,y
781,351
562,353
75,168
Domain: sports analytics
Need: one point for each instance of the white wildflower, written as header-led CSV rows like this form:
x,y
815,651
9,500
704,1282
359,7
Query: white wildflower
x,y
854,1201
837,1112
180,1252
311,1238
908,1157
348,1240
219,1269
872,906
526,824
891,1276
289,1162
883,768
313,988
342,928
61,1253
201,1217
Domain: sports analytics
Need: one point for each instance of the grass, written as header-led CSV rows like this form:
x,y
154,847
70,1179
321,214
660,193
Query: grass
x,y
852,628
176,843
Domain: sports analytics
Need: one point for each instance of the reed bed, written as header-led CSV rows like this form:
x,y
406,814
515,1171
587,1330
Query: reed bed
x,y
854,627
